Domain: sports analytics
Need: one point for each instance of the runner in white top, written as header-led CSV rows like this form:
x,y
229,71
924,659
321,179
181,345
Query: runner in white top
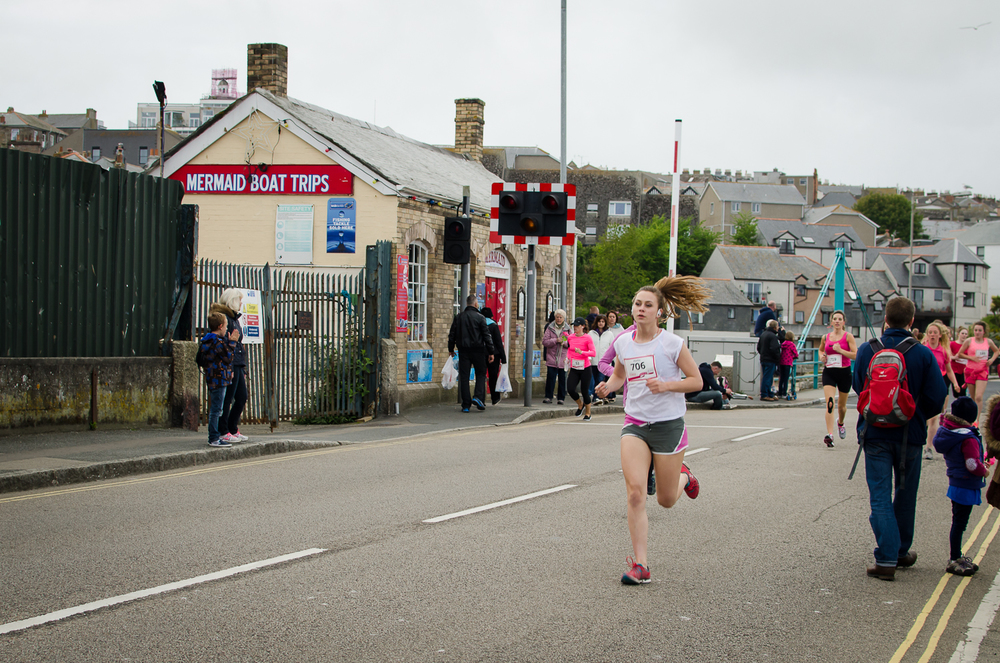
x,y
659,370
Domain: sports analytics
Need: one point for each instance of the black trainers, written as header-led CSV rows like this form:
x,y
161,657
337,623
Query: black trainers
x,y
479,404
579,411
587,418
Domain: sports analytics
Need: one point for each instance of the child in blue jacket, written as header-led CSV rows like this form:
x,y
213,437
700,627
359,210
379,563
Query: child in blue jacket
x,y
217,351
959,441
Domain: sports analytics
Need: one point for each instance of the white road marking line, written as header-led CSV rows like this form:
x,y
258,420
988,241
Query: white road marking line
x,y
968,651
494,505
763,432
143,593
695,451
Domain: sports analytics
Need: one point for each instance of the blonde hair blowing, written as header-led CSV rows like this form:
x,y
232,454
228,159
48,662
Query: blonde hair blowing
x,y
945,333
680,293
231,297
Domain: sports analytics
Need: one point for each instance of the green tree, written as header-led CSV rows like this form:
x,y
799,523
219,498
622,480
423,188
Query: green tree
x,y
610,272
891,211
745,230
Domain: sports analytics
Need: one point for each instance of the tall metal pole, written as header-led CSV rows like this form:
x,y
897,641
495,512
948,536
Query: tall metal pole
x,y
675,210
909,270
529,325
568,303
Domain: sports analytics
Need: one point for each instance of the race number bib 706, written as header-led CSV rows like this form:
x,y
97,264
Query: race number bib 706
x,y
640,368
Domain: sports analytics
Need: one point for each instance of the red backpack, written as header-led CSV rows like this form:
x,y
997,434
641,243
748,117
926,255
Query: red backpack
x,y
885,401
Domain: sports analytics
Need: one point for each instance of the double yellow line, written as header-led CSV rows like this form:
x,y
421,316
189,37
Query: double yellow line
x,y
956,596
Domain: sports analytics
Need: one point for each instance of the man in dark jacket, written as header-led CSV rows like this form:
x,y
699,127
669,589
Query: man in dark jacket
x,y
765,315
769,349
469,333
499,356
711,390
892,512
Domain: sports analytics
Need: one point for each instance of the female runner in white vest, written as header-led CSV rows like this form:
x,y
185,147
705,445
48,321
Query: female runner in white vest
x,y
659,370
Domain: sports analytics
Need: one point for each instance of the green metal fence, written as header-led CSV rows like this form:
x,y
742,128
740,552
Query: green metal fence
x,y
88,258
313,359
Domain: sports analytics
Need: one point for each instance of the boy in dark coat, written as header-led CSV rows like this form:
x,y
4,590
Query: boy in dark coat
x,y
217,350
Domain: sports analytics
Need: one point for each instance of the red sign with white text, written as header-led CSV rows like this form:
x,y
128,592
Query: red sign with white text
x,y
276,179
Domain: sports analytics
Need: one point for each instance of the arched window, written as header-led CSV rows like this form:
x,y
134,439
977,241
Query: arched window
x,y
416,313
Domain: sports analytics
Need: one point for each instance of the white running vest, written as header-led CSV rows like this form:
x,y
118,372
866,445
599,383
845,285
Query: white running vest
x,y
657,358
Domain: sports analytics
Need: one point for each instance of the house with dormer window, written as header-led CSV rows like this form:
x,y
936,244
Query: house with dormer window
x,y
818,241
722,202
865,228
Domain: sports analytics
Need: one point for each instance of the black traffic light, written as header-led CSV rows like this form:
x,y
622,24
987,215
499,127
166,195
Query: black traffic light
x,y
532,213
457,233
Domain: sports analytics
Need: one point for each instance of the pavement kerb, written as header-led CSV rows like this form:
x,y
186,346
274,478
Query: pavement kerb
x,y
117,469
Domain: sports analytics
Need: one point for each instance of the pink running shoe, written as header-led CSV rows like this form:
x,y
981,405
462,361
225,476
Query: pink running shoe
x,y
637,573
693,487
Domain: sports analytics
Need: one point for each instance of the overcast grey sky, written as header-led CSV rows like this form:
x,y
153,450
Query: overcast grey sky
x,y
882,93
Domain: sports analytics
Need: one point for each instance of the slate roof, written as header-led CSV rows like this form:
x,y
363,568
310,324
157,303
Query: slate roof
x,y
952,251
749,192
725,293
822,234
813,271
818,214
844,198
856,190
512,153
757,263
870,282
408,165
896,263
66,121
986,233
17,120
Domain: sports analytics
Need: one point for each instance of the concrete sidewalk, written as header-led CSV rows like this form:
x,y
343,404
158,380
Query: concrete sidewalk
x,y
30,460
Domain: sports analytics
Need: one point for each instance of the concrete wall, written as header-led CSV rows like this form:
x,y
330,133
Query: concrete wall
x,y
57,391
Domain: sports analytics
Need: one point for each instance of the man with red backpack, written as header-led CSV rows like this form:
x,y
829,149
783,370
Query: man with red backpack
x,y
887,452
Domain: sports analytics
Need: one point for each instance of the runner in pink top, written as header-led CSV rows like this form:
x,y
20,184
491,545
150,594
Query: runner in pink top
x,y
977,371
581,349
958,363
938,341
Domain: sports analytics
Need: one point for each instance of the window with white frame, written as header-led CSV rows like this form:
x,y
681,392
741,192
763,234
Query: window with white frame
x,y
711,209
786,246
95,153
802,181
755,292
920,268
620,208
735,207
800,317
416,309
557,299
918,299
731,313
826,317
456,301
970,272
696,318
844,244
981,251
968,299
755,208
939,295
143,156
800,290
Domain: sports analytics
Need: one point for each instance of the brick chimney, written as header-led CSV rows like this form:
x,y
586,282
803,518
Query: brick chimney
x,y
469,120
267,67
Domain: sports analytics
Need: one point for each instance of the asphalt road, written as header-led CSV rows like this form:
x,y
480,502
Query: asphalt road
x,y
768,564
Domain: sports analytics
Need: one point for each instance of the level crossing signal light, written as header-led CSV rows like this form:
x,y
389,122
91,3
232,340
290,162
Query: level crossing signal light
x,y
541,213
457,237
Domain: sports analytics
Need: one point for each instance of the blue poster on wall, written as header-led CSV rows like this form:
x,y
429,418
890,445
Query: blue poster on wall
x,y
341,220
419,364
536,365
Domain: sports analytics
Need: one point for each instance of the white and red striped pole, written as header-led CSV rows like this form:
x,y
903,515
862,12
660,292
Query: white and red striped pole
x,y
675,208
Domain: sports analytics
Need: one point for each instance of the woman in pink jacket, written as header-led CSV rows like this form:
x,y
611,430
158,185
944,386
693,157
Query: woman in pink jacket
x,y
581,349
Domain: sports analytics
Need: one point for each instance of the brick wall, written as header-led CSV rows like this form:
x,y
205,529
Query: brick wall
x,y
469,120
267,67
